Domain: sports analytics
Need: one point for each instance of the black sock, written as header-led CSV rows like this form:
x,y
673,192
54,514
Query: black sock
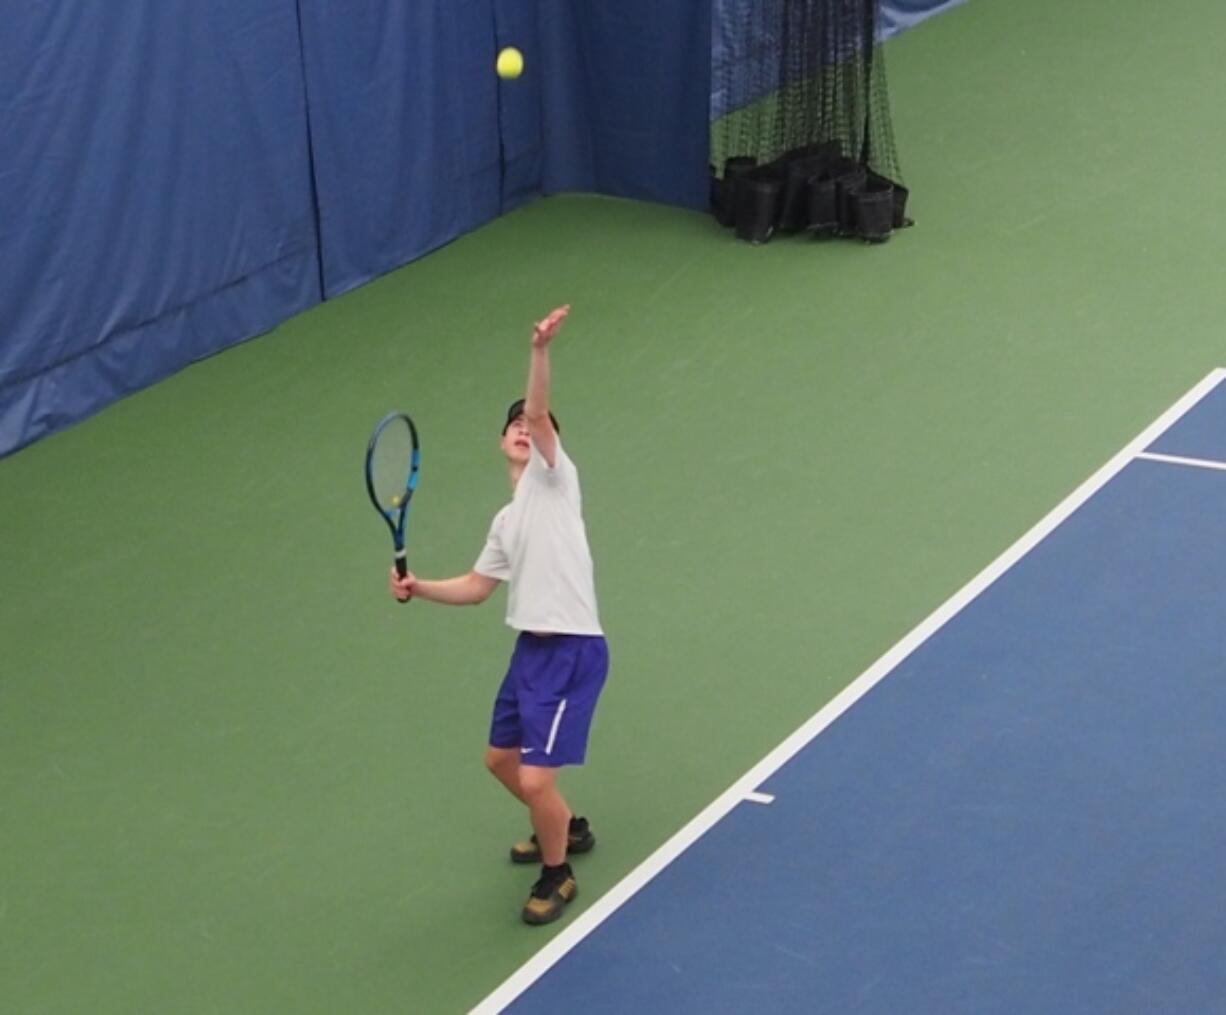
x,y
560,869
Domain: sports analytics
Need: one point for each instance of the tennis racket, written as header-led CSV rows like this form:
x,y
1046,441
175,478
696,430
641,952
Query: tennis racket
x,y
393,457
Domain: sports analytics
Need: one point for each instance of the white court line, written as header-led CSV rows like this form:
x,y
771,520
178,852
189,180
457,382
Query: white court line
x,y
611,901
1197,463
760,798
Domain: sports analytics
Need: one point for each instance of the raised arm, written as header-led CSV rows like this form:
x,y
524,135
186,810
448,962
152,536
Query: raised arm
x,y
536,400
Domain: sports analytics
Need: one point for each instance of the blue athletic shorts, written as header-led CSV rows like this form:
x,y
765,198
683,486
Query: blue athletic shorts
x,y
546,701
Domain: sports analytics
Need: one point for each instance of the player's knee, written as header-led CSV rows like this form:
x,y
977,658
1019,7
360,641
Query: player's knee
x,y
535,781
500,761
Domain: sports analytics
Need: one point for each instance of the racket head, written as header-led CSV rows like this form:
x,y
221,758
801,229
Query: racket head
x,y
393,458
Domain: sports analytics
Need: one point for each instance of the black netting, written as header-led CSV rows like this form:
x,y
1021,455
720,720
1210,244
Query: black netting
x,y
814,149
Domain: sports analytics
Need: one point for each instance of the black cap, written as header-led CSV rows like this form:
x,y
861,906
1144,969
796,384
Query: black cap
x,y
517,410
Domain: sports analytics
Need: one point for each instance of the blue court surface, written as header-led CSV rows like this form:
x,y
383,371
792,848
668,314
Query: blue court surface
x,y
1020,809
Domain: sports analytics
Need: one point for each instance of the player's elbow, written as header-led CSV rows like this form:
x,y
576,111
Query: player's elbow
x,y
480,588
542,425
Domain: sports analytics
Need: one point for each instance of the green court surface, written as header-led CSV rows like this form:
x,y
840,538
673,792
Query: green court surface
x,y
236,777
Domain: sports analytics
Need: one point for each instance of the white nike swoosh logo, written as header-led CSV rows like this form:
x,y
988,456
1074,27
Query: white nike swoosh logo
x,y
526,750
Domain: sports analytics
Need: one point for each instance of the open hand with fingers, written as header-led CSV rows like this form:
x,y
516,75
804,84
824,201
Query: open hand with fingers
x,y
544,330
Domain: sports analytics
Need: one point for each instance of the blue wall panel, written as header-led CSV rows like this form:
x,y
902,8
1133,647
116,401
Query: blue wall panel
x,y
154,203
628,85
404,126
417,141
177,176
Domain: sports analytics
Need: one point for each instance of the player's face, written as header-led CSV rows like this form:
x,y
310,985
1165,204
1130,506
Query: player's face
x,y
515,441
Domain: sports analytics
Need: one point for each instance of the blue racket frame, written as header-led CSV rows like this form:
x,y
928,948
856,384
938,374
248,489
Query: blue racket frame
x,y
396,518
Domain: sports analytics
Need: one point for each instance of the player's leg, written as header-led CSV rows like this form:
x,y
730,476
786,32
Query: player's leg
x,y
563,677
556,885
503,763
506,734
548,810
567,677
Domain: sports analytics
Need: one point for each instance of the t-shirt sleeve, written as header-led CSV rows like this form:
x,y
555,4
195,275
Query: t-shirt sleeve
x,y
493,562
562,473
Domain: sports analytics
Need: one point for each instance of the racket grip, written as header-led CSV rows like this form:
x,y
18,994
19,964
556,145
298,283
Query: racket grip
x,y
402,569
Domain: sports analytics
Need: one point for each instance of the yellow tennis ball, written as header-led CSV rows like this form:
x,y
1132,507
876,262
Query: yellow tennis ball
x,y
396,501
510,63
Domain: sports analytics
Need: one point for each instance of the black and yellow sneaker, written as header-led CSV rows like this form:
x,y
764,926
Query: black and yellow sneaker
x,y
579,839
552,891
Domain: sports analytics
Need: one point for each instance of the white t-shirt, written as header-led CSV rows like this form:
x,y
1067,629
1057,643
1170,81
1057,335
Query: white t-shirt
x,y
538,544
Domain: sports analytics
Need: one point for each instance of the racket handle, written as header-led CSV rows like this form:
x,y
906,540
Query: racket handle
x,y
402,569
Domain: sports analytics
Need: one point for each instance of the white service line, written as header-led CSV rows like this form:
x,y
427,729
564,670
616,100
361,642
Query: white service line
x,y
760,798
1198,463
611,901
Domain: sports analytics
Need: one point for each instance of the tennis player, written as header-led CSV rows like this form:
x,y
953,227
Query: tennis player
x,y
538,545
